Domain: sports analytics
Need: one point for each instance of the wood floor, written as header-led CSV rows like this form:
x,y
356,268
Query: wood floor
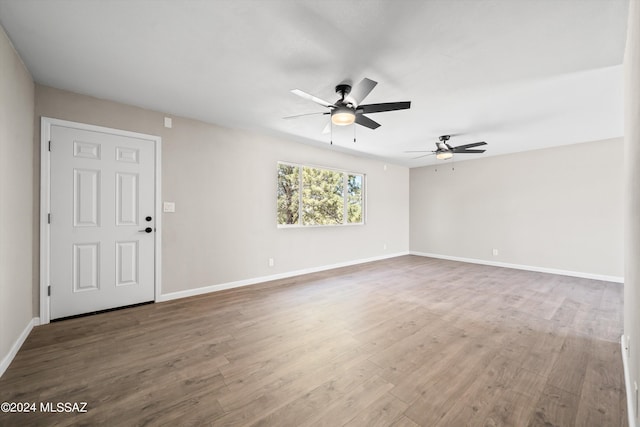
x,y
403,342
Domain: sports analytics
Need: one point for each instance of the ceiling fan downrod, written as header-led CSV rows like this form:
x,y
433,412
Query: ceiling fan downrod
x,y
343,90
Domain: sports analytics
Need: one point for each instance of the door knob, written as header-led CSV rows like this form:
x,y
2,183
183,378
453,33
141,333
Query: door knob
x,y
146,230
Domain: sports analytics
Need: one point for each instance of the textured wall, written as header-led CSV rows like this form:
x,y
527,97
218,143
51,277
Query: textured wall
x,y
16,196
632,194
558,208
223,182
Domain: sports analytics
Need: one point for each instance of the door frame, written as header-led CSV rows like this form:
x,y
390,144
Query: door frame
x,y
45,203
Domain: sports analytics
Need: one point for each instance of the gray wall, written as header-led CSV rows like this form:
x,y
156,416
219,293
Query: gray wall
x,y
223,182
16,197
632,201
557,208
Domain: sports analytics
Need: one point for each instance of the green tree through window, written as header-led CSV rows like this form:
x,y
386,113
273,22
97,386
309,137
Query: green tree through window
x,y
311,196
322,197
288,194
354,199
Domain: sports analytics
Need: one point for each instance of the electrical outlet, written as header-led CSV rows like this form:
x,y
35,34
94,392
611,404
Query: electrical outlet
x,y
495,252
271,262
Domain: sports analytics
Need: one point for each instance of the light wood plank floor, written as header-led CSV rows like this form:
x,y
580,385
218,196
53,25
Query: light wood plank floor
x,y
408,341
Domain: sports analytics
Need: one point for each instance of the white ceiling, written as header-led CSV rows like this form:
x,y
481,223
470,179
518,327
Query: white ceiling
x,y
519,74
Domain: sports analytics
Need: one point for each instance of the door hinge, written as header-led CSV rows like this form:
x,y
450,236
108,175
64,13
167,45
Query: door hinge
x,y
48,218
49,290
49,145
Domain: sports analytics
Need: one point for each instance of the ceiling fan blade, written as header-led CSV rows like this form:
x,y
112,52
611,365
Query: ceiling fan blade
x,y
475,144
469,151
386,106
306,114
424,155
360,91
420,151
366,122
310,97
327,128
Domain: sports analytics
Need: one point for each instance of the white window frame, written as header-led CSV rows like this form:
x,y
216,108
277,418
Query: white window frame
x,y
345,203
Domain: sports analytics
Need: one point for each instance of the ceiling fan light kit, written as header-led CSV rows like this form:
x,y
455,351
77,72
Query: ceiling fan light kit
x,y
444,155
343,116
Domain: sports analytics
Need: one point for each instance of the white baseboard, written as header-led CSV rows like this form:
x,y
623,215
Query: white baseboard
x,y
580,274
6,360
627,381
256,280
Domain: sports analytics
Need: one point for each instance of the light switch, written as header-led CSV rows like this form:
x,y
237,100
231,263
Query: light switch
x,y
169,207
168,123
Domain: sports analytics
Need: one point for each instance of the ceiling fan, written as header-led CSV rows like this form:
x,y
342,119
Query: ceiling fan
x,y
349,109
446,151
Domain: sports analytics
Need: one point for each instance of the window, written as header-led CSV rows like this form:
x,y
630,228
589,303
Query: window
x,y
311,196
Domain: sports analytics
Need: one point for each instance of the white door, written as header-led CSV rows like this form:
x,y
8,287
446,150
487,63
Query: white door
x,y
102,225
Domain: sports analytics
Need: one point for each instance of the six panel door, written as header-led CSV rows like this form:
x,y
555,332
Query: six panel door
x,y
102,200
